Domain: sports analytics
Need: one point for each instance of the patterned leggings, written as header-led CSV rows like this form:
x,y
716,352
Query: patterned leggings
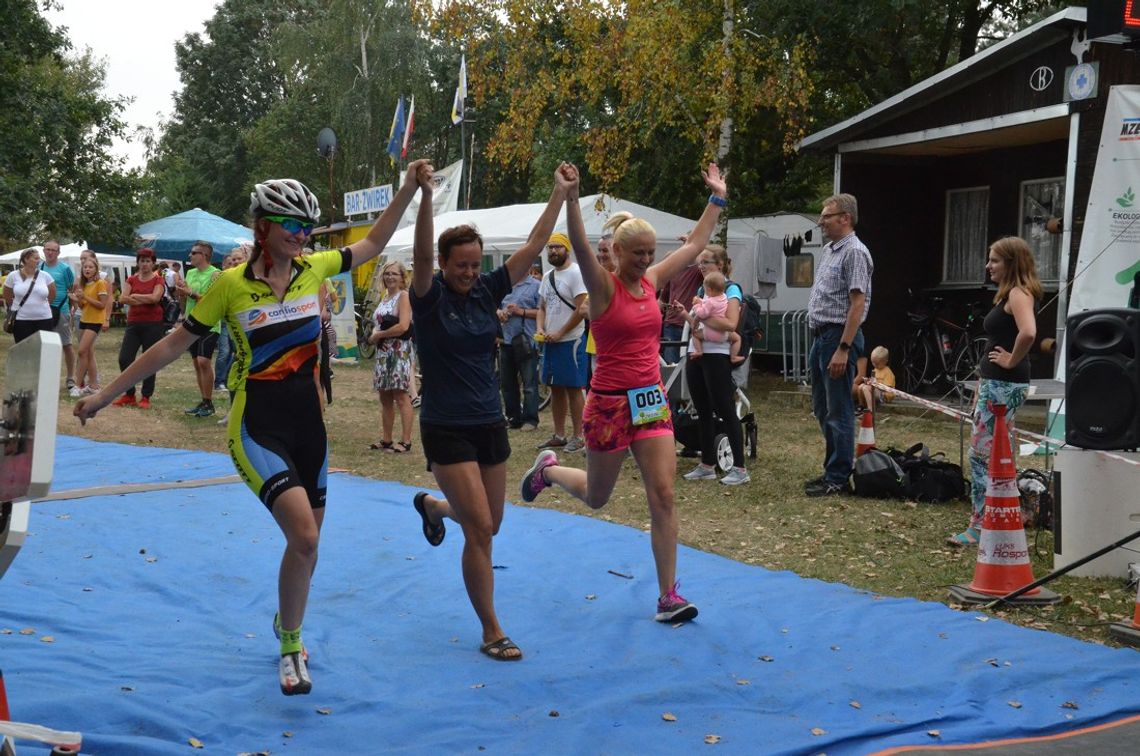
x,y
1012,395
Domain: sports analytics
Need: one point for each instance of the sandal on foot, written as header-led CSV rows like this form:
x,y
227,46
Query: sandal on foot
x,y
497,650
381,446
968,537
400,448
433,532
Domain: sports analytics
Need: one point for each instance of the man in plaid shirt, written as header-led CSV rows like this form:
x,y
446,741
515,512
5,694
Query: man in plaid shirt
x,y
840,299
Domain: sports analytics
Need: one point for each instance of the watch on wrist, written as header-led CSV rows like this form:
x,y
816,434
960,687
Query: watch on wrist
x,y
844,346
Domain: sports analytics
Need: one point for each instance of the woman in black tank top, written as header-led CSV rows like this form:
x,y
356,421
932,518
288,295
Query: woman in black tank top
x,y
1011,329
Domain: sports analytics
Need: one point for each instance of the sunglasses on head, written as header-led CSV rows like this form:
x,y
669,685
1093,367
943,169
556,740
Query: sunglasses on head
x,y
292,225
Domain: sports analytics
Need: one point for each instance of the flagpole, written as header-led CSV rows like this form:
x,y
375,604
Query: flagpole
x,y
463,133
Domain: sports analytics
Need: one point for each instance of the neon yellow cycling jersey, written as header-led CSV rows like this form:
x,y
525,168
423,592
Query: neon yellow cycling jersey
x,y
273,339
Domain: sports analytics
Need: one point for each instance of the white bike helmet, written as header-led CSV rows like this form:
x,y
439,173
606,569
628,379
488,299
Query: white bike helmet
x,y
284,197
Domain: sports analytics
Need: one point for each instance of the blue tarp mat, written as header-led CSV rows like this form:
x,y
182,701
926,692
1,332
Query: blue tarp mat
x,y
159,607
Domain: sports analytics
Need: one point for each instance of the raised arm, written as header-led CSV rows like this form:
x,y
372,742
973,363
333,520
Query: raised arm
x,y
424,240
597,280
660,273
382,230
518,265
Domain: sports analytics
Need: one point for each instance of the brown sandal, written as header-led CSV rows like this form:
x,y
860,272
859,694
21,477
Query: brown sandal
x,y
400,448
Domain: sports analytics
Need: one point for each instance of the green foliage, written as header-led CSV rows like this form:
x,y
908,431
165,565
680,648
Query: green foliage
x,y
57,174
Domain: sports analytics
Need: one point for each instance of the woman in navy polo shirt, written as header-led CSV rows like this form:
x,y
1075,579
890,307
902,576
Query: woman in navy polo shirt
x,y
462,428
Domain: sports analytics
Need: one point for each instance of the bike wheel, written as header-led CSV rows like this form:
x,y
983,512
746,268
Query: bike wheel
x,y
917,363
364,348
965,365
543,396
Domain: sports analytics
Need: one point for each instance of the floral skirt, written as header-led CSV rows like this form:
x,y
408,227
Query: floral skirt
x,y
393,370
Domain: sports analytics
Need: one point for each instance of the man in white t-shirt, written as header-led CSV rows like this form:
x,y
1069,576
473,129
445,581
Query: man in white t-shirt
x,y
561,326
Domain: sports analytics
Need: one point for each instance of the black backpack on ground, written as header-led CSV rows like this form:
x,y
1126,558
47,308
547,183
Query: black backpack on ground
x,y
931,478
878,476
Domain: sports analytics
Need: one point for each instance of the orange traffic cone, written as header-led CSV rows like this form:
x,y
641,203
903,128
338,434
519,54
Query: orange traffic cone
x,y
5,715
1003,554
865,440
1128,632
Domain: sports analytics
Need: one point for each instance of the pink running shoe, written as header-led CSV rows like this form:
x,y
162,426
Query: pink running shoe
x,y
672,607
533,482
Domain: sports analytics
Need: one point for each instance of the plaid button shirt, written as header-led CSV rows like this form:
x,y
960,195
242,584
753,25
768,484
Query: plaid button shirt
x,y
844,267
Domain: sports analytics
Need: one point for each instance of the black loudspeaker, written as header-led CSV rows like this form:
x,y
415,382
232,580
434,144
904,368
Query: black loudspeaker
x,y
1102,379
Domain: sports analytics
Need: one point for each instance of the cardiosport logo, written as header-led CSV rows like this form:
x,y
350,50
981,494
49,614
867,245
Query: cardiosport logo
x,y
288,311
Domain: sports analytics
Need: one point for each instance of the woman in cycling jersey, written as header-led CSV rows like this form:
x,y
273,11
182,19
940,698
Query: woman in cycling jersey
x,y
270,306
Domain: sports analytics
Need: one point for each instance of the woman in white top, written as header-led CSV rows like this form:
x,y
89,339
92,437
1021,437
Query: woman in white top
x,y
393,374
30,292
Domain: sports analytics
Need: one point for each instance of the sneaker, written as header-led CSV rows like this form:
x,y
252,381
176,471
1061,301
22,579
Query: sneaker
x,y
224,419
574,444
827,488
74,391
737,476
701,472
672,607
70,384
144,403
126,400
416,402
90,390
206,409
293,674
533,482
814,482
277,635
196,408
554,442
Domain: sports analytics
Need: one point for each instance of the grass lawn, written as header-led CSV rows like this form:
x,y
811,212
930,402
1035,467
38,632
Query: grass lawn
x,y
892,548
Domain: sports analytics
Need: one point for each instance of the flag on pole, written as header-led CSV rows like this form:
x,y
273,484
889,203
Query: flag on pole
x,y
460,92
396,135
408,129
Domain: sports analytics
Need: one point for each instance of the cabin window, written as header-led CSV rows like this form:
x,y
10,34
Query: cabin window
x,y
1042,201
800,271
967,224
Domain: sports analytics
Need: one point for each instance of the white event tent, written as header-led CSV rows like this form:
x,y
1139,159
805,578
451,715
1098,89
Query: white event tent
x,y
505,229
116,266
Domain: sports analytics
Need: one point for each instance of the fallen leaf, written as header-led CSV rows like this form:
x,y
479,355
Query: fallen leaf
x,y
934,733
856,705
287,734
195,742
982,618
126,689
818,731
590,596
992,662
712,739
48,639
1070,705
553,713
835,648
325,711
766,659
476,686
6,631
28,631
151,560
668,717
1014,704
743,682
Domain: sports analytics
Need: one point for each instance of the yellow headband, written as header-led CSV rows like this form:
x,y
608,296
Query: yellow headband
x,y
560,238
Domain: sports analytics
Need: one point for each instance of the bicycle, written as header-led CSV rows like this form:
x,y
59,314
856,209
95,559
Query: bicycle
x,y
940,354
364,326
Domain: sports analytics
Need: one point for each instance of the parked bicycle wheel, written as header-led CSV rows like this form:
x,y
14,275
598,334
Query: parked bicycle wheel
x,y
364,348
917,363
965,365
543,396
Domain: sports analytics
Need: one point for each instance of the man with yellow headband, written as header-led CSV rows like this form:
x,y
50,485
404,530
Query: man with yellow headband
x,y
561,326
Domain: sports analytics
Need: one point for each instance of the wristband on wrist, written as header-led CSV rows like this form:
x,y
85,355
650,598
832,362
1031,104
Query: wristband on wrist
x,y
718,201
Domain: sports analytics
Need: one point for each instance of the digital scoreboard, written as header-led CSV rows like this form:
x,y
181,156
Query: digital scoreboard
x,y
1108,18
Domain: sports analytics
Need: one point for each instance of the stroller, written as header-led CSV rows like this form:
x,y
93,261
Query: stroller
x,y
685,429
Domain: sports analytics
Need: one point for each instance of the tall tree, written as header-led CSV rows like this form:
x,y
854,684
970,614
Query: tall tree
x,y
58,175
230,79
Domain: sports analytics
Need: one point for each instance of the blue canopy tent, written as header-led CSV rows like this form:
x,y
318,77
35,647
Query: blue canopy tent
x,y
172,237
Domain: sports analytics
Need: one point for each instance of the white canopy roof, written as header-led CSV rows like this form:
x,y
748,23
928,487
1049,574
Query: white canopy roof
x,y
505,229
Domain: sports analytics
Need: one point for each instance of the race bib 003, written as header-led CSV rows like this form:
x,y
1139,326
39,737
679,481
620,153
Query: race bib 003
x,y
647,405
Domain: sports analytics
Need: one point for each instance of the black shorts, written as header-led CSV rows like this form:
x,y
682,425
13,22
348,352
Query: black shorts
x,y
452,444
96,327
204,346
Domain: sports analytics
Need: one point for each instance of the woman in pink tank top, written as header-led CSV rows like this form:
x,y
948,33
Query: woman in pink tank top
x,y
627,407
